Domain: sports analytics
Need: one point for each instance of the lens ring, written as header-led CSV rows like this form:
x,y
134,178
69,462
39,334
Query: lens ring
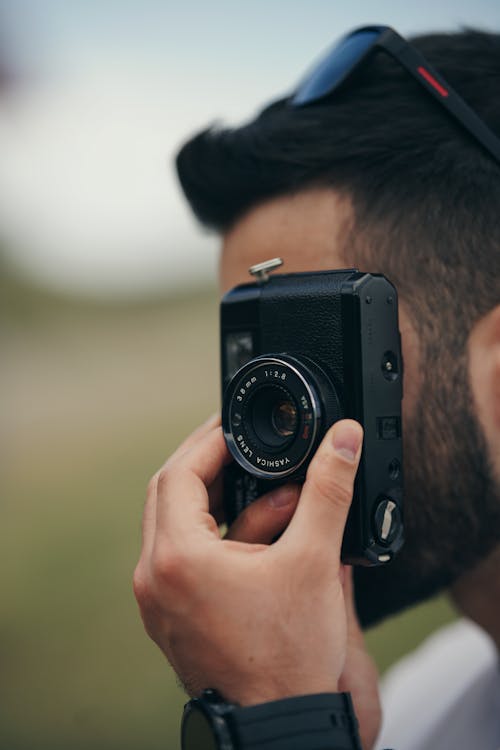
x,y
297,384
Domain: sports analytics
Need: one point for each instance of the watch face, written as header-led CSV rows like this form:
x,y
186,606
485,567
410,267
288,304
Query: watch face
x,y
197,732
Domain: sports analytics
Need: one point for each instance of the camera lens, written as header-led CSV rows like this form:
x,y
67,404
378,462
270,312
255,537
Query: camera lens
x,y
275,410
273,416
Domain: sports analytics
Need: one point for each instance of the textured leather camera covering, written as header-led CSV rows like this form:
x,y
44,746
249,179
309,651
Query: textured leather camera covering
x,y
306,312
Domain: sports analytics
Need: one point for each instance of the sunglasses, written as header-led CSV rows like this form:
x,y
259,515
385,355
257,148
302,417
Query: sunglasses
x,y
354,49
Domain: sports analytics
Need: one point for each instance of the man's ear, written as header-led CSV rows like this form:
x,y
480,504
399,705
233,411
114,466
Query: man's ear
x,y
484,372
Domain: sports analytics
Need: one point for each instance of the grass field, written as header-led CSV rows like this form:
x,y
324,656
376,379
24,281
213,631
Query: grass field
x,y
94,398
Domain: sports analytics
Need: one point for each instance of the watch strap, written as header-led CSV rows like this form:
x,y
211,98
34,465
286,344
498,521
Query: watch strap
x,y
324,721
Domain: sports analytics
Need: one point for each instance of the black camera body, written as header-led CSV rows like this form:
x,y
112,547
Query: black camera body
x,y
300,351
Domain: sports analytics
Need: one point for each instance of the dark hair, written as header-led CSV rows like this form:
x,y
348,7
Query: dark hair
x,y
426,197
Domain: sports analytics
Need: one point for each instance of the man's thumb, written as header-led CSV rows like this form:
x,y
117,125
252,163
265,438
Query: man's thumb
x,y
327,492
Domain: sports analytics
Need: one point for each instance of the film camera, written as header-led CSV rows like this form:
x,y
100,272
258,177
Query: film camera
x,y
300,351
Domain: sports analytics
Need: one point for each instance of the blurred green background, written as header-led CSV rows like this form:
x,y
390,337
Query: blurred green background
x,y
95,396
108,326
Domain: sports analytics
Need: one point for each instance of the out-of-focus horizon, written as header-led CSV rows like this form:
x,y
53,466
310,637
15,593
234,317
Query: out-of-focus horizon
x,y
96,98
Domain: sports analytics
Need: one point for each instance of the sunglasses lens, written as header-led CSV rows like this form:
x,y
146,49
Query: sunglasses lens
x,y
337,64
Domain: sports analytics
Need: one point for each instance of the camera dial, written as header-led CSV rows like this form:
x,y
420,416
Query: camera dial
x,y
275,410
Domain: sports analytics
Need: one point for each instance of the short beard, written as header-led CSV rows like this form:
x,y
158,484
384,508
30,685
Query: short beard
x,y
452,499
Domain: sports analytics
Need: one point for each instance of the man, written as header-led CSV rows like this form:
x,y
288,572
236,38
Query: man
x,y
375,175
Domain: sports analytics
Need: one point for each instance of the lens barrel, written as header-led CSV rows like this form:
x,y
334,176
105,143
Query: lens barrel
x,y
275,411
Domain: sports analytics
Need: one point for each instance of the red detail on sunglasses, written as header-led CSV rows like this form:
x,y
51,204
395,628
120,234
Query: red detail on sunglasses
x,y
430,79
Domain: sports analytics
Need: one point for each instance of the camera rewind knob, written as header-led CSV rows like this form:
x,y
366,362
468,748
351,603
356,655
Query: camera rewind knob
x,y
387,521
261,270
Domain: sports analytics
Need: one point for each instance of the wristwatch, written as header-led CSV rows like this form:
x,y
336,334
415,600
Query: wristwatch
x,y
307,722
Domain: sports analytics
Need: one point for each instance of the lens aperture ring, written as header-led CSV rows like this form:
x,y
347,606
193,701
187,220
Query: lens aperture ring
x,y
261,389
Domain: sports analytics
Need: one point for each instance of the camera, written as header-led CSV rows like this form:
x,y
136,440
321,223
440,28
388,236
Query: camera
x,y
300,351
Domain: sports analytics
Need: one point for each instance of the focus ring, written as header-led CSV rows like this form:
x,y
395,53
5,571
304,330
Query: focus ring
x,y
248,402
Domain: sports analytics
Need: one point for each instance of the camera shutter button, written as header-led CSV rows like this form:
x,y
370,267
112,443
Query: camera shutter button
x,y
260,271
386,520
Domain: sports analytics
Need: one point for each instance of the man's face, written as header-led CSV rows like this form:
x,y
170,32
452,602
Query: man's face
x,y
308,231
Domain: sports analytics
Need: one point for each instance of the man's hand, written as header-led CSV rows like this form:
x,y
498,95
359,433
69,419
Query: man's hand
x,y
254,620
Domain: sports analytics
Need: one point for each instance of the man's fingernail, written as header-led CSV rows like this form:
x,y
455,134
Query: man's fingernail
x,y
347,438
282,496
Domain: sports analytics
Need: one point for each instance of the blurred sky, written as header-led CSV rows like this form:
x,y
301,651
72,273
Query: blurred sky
x,y
103,93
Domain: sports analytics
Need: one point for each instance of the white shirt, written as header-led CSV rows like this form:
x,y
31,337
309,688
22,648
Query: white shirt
x,y
445,695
